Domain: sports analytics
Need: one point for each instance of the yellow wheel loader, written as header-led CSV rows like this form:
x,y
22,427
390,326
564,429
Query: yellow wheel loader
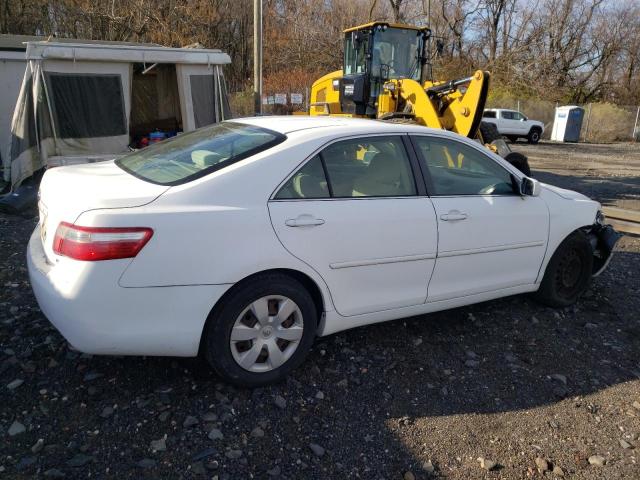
x,y
386,75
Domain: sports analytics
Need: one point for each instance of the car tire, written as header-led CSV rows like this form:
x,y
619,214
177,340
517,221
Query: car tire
x,y
519,161
489,132
568,273
512,138
236,317
534,135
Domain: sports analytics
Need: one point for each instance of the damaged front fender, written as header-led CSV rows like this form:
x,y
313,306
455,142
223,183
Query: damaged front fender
x,y
603,240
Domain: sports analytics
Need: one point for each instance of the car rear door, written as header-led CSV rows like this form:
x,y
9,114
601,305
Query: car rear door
x,y
507,125
490,238
355,213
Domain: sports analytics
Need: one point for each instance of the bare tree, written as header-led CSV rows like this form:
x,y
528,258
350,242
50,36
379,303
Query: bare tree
x,y
573,50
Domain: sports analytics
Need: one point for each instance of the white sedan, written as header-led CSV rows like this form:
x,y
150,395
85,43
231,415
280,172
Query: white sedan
x,y
245,240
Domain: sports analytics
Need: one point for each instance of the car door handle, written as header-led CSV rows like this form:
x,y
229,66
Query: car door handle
x,y
453,216
304,221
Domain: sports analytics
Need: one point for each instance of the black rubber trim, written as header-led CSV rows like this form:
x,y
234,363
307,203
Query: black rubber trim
x,y
475,125
416,166
422,165
326,173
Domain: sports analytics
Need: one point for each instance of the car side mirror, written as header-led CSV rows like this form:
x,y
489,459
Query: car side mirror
x,y
530,187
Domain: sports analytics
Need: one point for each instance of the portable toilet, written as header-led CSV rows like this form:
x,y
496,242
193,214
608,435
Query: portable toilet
x,y
567,124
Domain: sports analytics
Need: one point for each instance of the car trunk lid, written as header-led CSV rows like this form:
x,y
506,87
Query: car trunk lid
x,y
66,192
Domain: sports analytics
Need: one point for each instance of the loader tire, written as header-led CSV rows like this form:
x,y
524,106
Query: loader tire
x,y
489,132
519,161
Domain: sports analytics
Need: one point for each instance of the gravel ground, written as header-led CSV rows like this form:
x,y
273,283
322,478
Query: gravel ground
x,y
526,389
607,172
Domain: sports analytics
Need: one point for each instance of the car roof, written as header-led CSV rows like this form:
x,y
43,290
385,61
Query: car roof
x,y
293,123
501,110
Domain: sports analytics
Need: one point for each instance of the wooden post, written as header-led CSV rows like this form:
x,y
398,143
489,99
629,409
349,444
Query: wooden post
x,y
586,130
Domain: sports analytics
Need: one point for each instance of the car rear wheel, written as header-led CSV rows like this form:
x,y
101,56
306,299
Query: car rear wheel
x,y
534,135
568,273
262,330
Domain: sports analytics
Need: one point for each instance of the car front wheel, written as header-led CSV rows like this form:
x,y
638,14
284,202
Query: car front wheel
x,y
568,273
262,330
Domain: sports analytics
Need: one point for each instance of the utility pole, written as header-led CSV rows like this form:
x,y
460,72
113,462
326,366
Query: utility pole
x,y
257,56
429,40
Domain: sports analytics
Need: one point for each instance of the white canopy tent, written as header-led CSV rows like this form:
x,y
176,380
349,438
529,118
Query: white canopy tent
x,y
12,66
89,102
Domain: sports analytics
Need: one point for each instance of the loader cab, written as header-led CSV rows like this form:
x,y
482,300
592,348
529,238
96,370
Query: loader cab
x,y
375,53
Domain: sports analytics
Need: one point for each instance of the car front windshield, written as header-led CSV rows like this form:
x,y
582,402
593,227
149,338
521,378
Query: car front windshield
x,y
397,50
192,155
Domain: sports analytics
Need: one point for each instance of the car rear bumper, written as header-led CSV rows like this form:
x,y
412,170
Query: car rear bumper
x,y
84,302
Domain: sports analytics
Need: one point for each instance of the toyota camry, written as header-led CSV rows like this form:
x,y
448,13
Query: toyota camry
x,y
244,240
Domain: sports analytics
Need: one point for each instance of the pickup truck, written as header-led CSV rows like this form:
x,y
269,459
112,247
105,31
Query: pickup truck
x,y
513,124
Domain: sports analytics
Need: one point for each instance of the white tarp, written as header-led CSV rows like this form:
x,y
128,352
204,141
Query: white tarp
x,y
12,66
75,101
126,53
90,104
203,96
68,109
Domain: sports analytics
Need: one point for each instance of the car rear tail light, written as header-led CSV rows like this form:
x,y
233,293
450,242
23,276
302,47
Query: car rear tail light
x,y
99,243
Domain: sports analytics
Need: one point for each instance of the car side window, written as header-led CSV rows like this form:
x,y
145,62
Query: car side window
x,y
308,182
362,167
458,169
518,116
507,115
489,114
369,167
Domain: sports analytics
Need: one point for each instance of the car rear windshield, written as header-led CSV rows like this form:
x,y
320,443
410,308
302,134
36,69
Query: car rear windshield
x,y
186,157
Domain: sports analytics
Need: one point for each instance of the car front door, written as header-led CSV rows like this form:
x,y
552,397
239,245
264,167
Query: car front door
x,y
520,121
490,237
355,213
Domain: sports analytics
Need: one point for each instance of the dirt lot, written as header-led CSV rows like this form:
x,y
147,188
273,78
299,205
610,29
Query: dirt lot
x,y
523,386
609,173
